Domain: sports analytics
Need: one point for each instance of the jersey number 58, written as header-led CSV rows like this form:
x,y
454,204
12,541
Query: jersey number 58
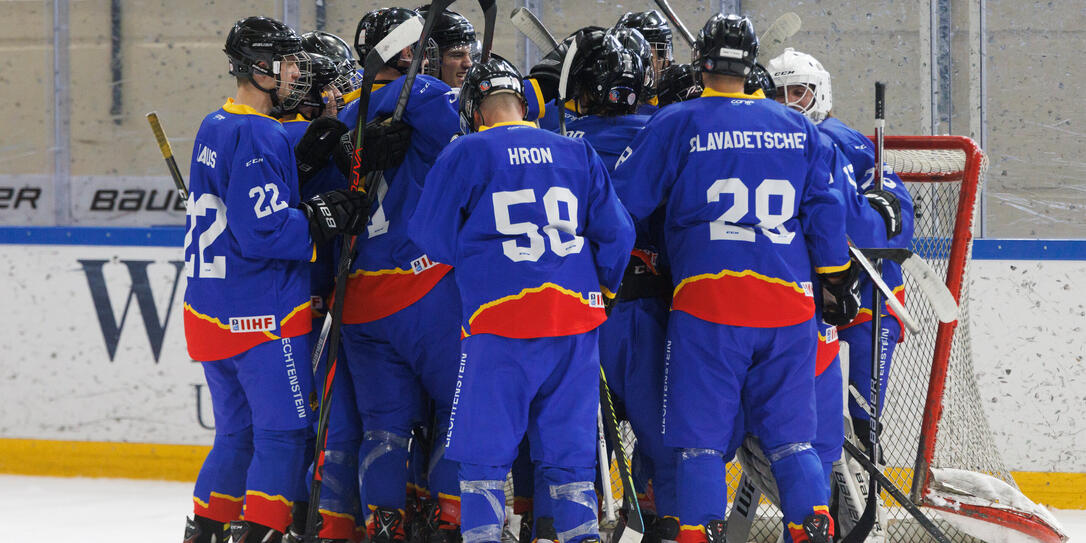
x,y
555,223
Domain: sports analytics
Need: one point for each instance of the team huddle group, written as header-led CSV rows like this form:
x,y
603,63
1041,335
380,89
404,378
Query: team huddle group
x,y
664,222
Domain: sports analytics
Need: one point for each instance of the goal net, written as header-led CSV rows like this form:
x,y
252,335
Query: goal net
x,y
936,434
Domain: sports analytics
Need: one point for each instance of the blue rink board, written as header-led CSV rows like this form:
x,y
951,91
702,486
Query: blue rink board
x,y
173,236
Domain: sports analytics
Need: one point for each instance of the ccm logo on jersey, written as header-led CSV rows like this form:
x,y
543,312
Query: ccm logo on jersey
x,y
261,323
206,157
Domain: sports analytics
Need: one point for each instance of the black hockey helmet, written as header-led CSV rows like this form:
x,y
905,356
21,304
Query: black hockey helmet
x,y
451,29
654,27
484,79
727,45
261,45
759,78
636,44
329,45
375,25
325,73
336,51
611,78
678,83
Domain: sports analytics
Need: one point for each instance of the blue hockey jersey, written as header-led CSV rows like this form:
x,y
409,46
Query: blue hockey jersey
x,y
323,269
609,137
864,224
532,225
247,246
391,272
749,208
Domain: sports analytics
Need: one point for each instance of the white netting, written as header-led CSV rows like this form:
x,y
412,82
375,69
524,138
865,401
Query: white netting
x,y
935,179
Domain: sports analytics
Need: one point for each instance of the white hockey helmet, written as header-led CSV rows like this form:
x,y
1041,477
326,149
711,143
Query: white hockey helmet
x,y
794,68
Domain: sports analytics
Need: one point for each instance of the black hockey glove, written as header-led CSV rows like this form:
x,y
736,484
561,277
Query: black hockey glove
x,y
384,145
320,140
889,207
841,295
333,213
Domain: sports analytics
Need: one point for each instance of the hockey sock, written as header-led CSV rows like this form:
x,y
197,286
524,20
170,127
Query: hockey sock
x,y
803,487
702,492
482,502
444,478
220,486
523,480
573,502
339,490
274,478
382,470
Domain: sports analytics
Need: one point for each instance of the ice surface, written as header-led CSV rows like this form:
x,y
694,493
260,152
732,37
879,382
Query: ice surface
x,y
52,509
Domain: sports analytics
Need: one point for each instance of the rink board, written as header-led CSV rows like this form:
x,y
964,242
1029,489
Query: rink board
x,y
96,369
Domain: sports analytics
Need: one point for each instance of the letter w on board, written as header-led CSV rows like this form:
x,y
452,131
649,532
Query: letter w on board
x,y
141,291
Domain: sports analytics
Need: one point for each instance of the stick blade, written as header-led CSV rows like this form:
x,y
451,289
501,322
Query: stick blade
x,y
935,291
404,35
772,40
528,24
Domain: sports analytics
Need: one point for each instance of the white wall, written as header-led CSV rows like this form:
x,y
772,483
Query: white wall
x,y
58,381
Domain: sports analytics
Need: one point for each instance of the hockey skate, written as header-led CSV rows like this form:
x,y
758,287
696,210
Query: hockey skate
x,y
246,532
204,530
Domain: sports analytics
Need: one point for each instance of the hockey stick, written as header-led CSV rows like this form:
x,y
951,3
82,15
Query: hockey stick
x,y
771,41
605,473
490,17
744,509
895,493
882,289
867,520
634,528
665,7
402,36
528,24
563,83
167,153
935,291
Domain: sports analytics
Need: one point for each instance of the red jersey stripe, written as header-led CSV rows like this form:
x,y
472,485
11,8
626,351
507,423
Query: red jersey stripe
x,y
745,298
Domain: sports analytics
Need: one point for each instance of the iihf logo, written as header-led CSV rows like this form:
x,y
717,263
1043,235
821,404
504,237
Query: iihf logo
x,y
595,299
613,96
484,86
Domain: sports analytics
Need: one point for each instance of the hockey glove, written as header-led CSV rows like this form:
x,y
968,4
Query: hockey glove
x,y
333,213
318,143
384,145
841,296
889,207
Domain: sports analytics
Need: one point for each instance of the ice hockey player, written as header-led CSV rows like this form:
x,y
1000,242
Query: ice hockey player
x,y
401,331
653,26
247,301
335,48
538,239
749,215
610,79
456,44
323,150
678,83
875,218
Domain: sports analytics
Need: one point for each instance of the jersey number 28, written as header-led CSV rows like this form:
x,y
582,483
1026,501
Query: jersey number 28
x,y
770,223
555,223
